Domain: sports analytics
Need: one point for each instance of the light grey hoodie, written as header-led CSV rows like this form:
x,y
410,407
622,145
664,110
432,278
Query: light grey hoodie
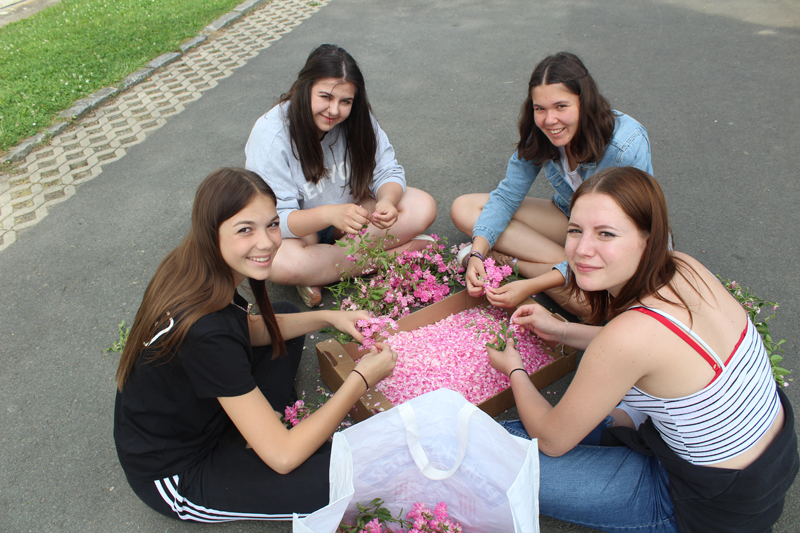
x,y
269,154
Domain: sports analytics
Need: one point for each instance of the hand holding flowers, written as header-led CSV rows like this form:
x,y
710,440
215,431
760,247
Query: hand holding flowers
x,y
369,330
475,276
385,214
539,321
377,363
349,218
506,360
494,275
508,295
484,276
347,323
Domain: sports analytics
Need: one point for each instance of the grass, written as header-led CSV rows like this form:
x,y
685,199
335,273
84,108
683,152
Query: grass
x,y
76,47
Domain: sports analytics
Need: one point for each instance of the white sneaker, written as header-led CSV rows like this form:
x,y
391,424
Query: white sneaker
x,y
423,237
463,255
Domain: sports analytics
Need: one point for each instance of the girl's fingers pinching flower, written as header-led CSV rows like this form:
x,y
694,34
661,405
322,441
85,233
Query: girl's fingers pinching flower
x,y
388,349
522,312
353,332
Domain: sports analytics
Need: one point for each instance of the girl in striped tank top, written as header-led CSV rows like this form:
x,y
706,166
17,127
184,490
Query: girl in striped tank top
x,y
678,359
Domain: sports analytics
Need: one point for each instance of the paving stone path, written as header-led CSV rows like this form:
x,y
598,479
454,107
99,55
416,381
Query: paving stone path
x,y
51,173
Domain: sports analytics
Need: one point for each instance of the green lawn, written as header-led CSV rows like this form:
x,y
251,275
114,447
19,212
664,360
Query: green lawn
x,y
76,47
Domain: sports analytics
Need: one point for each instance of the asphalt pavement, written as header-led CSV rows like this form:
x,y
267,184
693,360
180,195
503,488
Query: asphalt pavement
x,y
714,83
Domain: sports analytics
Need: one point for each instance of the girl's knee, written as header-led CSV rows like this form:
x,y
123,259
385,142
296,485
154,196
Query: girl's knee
x,y
427,208
419,207
291,263
466,208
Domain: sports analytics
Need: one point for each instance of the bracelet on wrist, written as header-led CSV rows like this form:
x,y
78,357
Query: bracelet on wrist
x,y
478,255
362,377
509,374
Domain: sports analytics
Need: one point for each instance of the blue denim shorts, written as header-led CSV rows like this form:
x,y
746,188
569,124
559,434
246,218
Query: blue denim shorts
x,y
325,236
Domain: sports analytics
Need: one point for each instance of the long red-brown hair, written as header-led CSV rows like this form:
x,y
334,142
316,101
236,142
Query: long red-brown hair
x,y
194,280
642,200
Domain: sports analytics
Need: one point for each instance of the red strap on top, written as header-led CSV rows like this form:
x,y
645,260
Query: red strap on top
x,y
741,338
682,334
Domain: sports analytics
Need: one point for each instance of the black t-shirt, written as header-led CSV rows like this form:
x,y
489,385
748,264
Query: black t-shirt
x,y
167,416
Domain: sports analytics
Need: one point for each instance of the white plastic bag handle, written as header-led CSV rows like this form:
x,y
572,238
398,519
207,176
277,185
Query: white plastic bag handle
x,y
418,453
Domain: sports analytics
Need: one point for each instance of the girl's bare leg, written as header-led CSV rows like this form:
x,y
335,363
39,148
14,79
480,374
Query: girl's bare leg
x,y
535,236
306,262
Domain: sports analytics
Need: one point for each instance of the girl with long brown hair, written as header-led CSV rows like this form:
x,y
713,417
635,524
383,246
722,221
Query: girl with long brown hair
x,y
568,131
202,380
334,173
678,359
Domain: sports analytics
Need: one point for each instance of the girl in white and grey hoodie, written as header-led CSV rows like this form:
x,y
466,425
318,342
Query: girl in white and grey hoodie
x,y
333,172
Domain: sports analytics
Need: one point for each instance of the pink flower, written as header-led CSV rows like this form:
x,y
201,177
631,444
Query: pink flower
x,y
452,354
374,327
441,511
374,526
407,279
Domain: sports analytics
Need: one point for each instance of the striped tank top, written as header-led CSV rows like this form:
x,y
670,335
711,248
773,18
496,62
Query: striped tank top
x,y
730,414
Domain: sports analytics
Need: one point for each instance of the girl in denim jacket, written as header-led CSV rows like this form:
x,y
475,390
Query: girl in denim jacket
x,y
569,131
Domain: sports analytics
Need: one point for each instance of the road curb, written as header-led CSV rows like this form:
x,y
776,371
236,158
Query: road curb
x,y
86,105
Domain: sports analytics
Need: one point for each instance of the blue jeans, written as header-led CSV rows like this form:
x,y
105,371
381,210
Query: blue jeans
x,y
609,488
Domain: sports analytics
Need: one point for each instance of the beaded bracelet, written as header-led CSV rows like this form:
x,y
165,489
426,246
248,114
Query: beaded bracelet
x,y
478,255
362,377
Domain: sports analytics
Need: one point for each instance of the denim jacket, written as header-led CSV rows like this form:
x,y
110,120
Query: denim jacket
x,y
629,146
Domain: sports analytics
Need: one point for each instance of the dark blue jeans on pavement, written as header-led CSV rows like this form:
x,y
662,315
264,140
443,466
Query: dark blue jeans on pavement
x,y
609,488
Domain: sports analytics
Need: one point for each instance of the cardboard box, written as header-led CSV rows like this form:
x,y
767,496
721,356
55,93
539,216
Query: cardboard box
x,y
336,361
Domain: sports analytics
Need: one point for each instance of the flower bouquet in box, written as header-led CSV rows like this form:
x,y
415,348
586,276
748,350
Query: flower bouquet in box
x,y
397,282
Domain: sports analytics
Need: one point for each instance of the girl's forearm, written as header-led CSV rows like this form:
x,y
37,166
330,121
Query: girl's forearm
x,y
284,450
311,433
580,335
390,192
291,325
304,222
480,244
549,280
295,324
531,405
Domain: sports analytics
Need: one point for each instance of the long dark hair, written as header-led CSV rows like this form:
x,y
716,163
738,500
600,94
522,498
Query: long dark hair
x,y
642,200
595,118
361,143
194,280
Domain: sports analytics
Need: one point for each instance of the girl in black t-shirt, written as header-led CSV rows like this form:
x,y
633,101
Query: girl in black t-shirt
x,y
198,366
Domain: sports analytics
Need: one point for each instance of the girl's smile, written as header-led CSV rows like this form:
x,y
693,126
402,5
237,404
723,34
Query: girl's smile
x,y
249,239
331,102
603,246
556,112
